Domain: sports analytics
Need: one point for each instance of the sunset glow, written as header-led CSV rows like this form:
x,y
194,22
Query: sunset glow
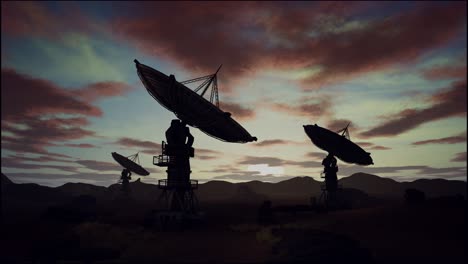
x,y
395,70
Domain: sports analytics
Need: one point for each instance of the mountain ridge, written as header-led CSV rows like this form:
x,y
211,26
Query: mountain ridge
x,y
295,188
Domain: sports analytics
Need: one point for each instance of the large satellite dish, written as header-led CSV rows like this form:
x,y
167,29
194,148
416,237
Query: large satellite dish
x,y
338,145
191,107
130,164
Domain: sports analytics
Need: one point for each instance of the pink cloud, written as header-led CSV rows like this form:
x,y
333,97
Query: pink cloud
x,y
445,140
316,155
369,145
81,145
48,130
272,142
384,43
99,165
25,18
449,102
19,163
144,146
38,97
205,157
375,147
207,152
40,134
130,142
30,107
101,90
309,107
459,157
40,159
34,18
285,36
281,36
228,41
445,72
338,124
237,110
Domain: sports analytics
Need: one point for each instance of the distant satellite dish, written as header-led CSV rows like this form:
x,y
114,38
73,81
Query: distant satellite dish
x,y
191,107
338,145
130,164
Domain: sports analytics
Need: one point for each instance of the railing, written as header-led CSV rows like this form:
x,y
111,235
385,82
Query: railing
x,y
169,184
163,160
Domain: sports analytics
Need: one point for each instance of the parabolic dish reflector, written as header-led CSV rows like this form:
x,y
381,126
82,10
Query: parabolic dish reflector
x,y
337,145
190,107
129,164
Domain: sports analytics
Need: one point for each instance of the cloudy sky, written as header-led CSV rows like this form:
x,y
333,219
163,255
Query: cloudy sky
x,y
395,70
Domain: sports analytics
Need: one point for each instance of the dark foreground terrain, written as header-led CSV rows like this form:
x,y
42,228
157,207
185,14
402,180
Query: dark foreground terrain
x,y
46,225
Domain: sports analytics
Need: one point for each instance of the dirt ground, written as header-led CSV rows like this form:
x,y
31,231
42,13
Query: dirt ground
x,y
398,233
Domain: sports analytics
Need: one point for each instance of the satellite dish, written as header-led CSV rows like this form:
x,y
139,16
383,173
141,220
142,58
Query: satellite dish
x,y
130,164
191,107
338,145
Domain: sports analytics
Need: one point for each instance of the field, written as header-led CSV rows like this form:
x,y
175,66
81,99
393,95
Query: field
x,y
430,232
